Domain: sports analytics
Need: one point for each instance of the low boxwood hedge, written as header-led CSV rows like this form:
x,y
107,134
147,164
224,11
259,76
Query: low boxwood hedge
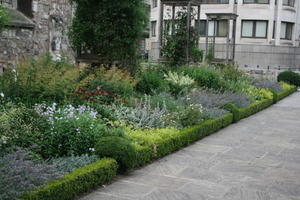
x,y
241,113
167,145
76,182
281,95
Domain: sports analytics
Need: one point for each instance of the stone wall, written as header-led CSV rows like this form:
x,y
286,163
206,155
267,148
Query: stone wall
x,y
48,32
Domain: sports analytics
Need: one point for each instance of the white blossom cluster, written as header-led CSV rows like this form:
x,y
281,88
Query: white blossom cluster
x,y
69,112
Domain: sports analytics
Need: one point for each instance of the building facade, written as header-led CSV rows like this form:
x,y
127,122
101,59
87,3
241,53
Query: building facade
x,y
36,27
267,31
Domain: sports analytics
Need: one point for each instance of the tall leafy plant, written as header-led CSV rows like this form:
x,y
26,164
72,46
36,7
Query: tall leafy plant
x,y
110,29
181,40
4,19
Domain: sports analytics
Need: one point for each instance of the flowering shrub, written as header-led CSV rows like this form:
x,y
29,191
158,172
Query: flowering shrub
x,y
73,131
178,82
19,172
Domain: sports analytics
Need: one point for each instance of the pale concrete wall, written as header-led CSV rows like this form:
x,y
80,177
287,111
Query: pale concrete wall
x,y
252,51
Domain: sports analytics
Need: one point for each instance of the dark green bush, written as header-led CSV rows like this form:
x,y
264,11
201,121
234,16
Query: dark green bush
x,y
289,77
77,182
118,148
111,29
152,81
204,77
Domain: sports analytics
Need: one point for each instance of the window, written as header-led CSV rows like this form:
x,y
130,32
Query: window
x,y
257,1
286,31
154,3
25,6
153,28
274,29
288,2
222,28
254,28
216,2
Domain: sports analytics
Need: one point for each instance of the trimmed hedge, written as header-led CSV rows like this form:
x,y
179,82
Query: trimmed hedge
x,y
241,113
285,93
167,145
76,182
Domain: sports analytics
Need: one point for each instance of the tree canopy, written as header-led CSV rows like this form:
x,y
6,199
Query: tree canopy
x,y
110,29
3,17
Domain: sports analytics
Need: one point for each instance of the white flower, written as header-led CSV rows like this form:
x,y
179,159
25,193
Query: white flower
x,y
92,149
2,95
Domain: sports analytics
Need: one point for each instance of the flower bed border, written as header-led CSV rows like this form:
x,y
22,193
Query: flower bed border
x,y
77,182
104,170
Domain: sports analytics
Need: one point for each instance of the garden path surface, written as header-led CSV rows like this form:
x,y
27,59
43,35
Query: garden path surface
x,y
255,159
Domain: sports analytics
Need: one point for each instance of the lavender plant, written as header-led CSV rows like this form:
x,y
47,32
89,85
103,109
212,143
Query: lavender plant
x,y
266,84
212,99
19,172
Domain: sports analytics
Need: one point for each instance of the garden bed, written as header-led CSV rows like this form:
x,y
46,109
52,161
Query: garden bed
x,y
69,130
103,171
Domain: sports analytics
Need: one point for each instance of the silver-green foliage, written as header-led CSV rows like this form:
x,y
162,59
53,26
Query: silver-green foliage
x,y
68,164
142,115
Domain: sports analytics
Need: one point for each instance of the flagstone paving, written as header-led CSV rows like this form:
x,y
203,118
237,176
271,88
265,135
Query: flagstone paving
x,y
257,158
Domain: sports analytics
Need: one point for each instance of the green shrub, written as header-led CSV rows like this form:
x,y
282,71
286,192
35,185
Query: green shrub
x,y
205,77
289,77
77,182
73,131
41,80
117,82
4,18
118,148
69,164
240,113
21,126
179,83
234,110
287,90
255,107
156,143
151,81
231,73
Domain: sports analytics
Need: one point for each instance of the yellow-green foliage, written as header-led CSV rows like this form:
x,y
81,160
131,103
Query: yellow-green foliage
x,y
150,136
286,86
267,94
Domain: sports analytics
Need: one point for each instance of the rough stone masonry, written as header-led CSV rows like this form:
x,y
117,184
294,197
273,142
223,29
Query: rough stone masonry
x,y
36,27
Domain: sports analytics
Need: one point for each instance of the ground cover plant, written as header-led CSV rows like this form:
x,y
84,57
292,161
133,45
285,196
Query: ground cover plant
x,y
53,124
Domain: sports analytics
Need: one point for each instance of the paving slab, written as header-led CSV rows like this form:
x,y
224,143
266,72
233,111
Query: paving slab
x,y
257,158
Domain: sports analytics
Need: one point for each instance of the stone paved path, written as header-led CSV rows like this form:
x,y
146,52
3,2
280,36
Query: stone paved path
x,y
255,159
